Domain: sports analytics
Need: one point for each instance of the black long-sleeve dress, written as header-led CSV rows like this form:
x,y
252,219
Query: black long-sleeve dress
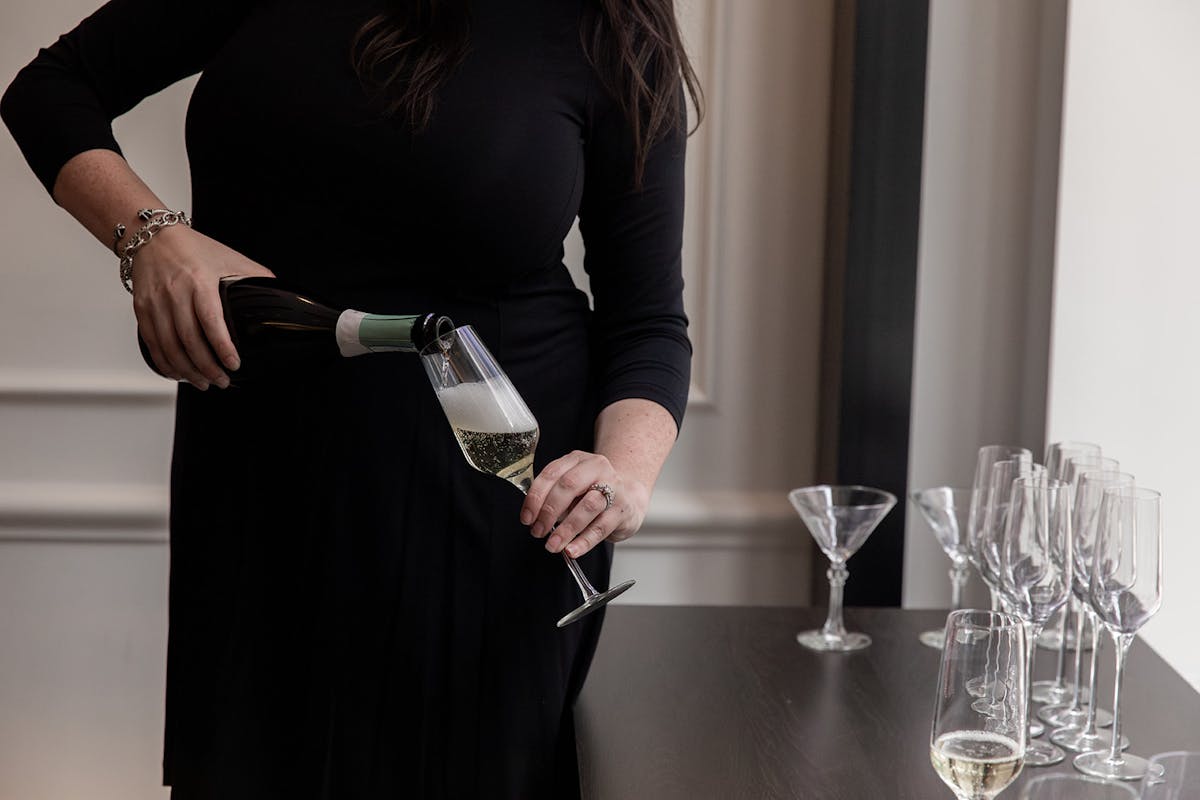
x,y
354,612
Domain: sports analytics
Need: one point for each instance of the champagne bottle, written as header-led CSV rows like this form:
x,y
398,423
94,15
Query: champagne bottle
x,y
278,331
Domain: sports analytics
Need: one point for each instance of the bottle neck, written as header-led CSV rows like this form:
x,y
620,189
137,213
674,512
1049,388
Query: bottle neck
x,y
358,333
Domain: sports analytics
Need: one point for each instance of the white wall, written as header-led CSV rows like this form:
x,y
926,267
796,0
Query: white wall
x,y
85,429
993,89
1127,290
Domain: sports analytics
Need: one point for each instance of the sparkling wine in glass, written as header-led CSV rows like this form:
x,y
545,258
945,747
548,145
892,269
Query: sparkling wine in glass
x,y
495,429
979,755
1125,592
945,510
840,518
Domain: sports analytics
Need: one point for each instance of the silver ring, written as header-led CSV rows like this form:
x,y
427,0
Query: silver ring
x,y
606,490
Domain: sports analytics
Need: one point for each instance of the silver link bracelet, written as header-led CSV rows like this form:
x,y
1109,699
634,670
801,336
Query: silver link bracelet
x,y
155,220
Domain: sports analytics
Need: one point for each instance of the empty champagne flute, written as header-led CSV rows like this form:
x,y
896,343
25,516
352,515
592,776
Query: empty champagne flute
x,y
1125,591
1063,786
986,457
945,510
840,518
1035,573
495,429
979,755
1079,726
1056,634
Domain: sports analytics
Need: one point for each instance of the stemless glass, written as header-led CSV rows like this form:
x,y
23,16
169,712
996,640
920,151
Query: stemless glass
x,y
979,755
987,456
495,429
1075,787
1125,591
1035,573
1173,776
1078,725
840,518
945,511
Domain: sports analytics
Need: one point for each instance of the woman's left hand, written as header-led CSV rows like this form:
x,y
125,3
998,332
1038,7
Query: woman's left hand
x,y
563,491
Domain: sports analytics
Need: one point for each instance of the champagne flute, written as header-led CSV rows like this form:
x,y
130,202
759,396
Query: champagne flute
x,y
1035,570
1126,591
1078,725
495,429
1055,636
987,456
945,510
840,518
979,755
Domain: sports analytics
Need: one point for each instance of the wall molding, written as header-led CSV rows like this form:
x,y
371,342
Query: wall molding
x,y
123,512
84,386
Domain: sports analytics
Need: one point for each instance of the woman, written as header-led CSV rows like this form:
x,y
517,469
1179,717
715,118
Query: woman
x,y
355,613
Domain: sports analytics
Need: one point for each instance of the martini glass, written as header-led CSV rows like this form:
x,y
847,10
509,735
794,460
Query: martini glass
x,y
840,518
946,511
495,429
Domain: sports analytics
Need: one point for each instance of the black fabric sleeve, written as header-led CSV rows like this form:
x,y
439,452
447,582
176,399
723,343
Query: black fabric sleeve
x,y
64,101
633,239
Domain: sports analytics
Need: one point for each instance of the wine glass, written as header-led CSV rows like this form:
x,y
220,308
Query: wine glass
x,y
1054,637
495,429
987,456
1079,725
1125,591
1064,786
1057,691
840,518
979,755
1173,776
945,510
1035,573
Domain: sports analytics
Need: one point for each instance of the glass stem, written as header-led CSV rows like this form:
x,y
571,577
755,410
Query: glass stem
x,y
1032,631
837,574
1089,729
1060,670
958,580
1077,694
995,599
1122,642
585,587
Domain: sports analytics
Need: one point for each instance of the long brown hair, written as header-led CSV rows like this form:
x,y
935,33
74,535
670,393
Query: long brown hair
x,y
405,54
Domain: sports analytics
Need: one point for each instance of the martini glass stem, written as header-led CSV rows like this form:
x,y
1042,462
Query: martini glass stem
x,y
958,581
837,575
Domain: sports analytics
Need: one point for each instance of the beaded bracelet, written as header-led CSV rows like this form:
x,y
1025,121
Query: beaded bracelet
x,y
155,220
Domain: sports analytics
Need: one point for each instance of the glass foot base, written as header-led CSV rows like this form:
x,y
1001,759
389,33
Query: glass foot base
x,y
935,639
1076,742
1041,754
1062,716
1052,692
594,602
818,640
1126,768
1050,639
1036,729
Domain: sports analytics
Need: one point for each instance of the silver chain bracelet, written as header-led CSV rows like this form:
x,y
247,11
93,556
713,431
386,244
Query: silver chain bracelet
x,y
155,220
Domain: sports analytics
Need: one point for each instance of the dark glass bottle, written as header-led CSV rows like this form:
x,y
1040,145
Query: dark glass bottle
x,y
278,331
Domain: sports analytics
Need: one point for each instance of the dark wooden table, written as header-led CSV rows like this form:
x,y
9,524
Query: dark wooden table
x,y
697,703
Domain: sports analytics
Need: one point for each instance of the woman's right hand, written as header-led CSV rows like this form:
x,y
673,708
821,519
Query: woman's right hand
x,y
178,308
